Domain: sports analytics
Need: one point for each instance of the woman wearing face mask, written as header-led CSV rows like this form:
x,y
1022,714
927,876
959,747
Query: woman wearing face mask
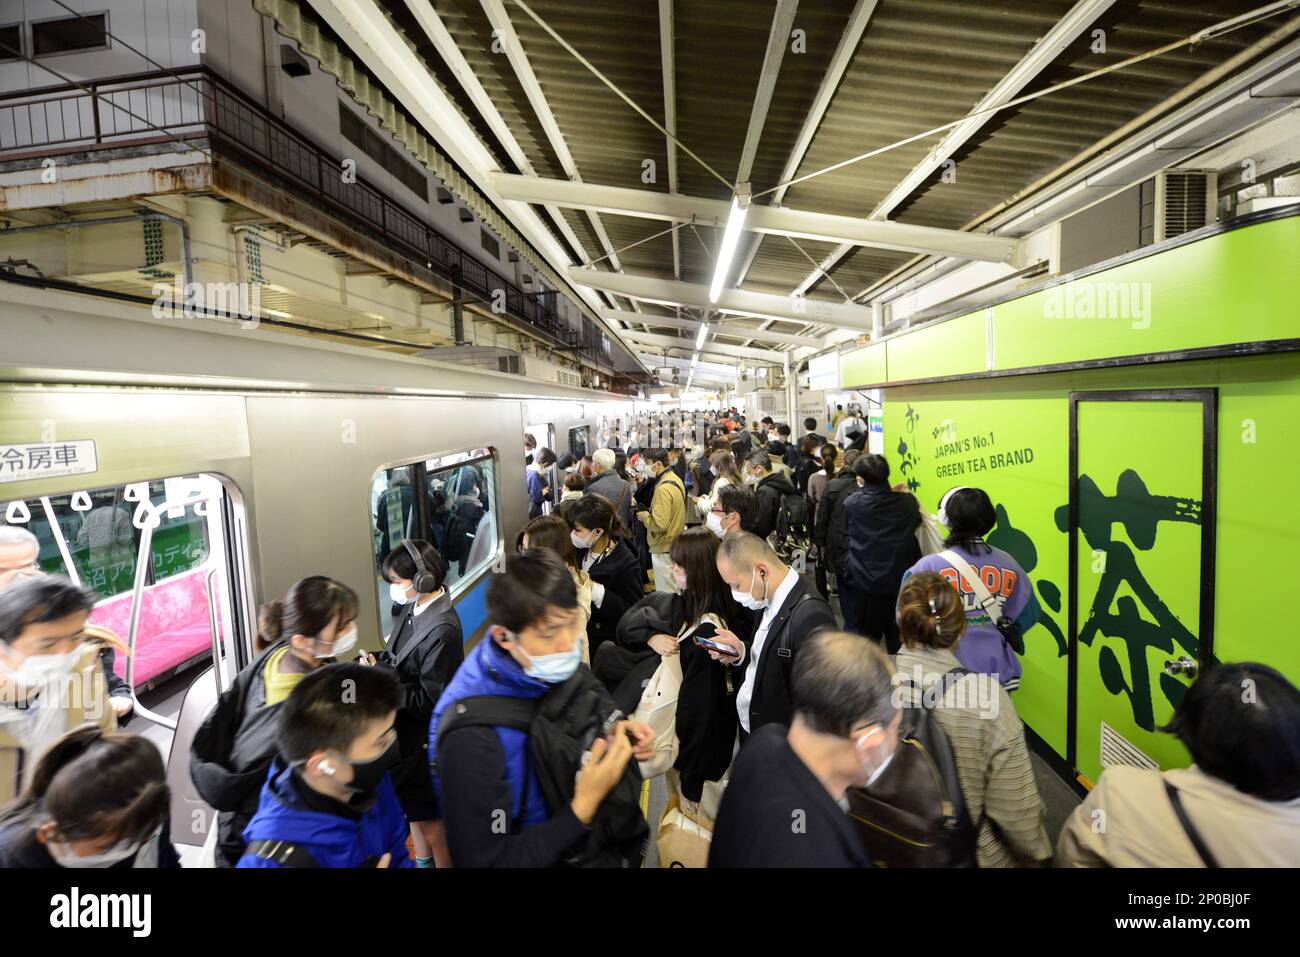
x,y
598,535
425,648
552,532
976,713
313,625
661,626
45,661
96,799
722,469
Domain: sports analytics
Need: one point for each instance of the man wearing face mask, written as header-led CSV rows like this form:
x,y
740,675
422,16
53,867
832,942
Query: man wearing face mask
x,y
492,792
666,517
49,682
788,611
734,508
328,800
314,624
786,805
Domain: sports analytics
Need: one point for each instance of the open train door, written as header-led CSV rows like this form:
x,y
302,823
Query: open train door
x,y
1141,611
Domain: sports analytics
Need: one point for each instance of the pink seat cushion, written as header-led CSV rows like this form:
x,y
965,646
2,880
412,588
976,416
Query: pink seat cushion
x,y
173,624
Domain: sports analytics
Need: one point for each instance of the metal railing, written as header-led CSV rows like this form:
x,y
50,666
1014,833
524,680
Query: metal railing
x,y
195,104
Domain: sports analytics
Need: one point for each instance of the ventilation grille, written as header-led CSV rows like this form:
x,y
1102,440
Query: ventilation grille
x,y
511,364
1117,749
1187,201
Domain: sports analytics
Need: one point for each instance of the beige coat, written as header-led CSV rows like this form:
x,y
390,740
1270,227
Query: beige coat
x,y
1127,821
16,763
988,744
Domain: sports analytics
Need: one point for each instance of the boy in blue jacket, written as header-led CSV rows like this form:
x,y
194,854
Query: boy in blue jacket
x,y
327,800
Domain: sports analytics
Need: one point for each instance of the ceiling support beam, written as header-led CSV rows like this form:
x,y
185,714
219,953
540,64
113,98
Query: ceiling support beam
x,y
668,58
696,295
1081,16
840,60
777,40
801,224
712,348
718,326
504,30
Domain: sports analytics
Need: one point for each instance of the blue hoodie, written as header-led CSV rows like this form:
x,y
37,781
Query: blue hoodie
x,y
332,839
489,670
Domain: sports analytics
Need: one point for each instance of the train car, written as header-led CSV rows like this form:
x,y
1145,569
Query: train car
x,y
189,469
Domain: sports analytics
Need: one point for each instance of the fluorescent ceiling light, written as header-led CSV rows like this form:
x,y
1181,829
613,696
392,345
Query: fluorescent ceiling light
x,y
704,331
730,239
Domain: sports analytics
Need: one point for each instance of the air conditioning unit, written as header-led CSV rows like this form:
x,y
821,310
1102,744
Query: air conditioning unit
x,y
1185,200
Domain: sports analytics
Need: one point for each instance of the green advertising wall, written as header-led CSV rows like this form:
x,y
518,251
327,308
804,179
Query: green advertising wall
x,y
1011,437
1237,286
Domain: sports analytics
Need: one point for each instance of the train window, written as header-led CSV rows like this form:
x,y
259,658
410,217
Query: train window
x,y
461,505
94,537
448,500
98,531
579,441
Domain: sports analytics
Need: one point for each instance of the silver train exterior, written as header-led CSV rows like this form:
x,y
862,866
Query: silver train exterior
x,y
296,427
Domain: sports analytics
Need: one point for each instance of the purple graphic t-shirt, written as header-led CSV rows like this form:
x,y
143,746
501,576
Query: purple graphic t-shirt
x,y
982,649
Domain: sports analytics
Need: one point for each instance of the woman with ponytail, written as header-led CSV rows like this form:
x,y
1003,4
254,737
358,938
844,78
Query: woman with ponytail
x,y
96,799
313,625
976,713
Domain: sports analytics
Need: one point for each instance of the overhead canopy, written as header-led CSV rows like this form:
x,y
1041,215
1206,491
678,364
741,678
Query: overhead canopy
x,y
763,94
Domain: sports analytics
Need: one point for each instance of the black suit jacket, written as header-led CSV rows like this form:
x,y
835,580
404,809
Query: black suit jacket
x,y
801,614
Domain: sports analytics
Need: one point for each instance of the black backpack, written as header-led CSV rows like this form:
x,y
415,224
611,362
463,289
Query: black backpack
x,y
793,524
561,726
915,815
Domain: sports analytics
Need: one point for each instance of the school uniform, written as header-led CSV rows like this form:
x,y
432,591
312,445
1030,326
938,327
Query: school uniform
x,y
425,648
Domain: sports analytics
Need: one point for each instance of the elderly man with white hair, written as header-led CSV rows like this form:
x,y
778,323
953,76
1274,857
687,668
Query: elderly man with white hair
x,y
19,551
611,485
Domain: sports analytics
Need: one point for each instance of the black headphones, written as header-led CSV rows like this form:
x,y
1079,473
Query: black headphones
x,y
424,582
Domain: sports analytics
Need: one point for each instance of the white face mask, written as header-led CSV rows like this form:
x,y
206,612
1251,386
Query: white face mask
x,y
679,577
714,522
874,775
579,541
37,669
397,592
747,598
342,644
64,856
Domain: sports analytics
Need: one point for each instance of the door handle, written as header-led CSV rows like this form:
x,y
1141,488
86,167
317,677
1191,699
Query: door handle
x,y
1181,666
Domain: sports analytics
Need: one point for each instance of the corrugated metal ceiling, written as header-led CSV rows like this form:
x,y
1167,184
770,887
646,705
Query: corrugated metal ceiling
x,y
920,63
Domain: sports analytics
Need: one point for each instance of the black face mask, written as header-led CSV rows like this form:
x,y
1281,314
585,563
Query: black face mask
x,y
366,775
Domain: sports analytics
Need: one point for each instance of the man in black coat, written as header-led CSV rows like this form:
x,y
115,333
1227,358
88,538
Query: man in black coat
x,y
831,533
788,613
770,488
810,431
782,807
882,526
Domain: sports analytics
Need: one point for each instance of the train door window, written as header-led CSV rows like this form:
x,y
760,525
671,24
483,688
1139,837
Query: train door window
x,y
95,537
544,433
580,441
393,517
449,501
463,513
